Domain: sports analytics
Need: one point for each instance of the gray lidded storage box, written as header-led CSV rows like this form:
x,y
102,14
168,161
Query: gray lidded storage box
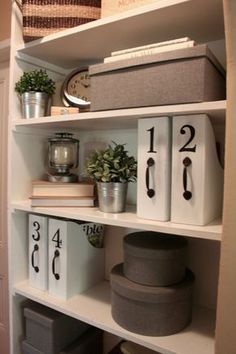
x,y
50,331
179,76
148,310
155,259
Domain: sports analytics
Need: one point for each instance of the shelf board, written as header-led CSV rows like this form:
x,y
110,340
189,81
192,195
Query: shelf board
x,y
161,20
126,118
128,219
94,307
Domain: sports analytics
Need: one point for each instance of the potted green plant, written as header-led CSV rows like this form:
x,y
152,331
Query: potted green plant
x,y
112,169
35,89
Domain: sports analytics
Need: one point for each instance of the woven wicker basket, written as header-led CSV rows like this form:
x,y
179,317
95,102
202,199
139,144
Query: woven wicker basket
x,y
44,17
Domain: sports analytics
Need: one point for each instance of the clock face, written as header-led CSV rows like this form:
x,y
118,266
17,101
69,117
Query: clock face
x,y
76,89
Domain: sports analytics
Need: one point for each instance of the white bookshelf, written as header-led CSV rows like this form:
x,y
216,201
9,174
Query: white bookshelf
x,y
59,53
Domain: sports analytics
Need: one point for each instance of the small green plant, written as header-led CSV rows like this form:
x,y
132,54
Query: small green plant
x,y
112,165
36,81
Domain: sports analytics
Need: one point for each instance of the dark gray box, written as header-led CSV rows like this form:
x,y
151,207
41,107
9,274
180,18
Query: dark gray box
x,y
180,76
50,331
90,342
149,310
152,258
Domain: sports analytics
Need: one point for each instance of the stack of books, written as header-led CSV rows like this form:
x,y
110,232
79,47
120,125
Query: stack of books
x,y
150,49
61,194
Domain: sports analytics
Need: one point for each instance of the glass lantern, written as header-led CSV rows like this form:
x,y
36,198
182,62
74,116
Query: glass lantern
x,y
63,155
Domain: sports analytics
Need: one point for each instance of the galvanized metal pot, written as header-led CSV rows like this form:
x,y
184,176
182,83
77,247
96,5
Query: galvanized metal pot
x,y
35,104
112,196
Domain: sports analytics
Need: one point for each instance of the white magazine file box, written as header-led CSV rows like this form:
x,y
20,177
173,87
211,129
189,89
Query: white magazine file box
x,y
154,168
197,176
76,256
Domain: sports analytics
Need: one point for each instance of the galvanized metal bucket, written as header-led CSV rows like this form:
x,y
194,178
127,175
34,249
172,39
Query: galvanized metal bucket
x,y
112,196
35,104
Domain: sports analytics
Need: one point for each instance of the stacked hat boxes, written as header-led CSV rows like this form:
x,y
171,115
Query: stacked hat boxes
x,y
152,289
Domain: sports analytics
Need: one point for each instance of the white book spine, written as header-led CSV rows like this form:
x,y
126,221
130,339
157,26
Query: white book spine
x,y
149,46
150,51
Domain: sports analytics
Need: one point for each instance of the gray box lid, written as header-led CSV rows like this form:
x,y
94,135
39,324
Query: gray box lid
x,y
197,51
43,315
151,245
150,294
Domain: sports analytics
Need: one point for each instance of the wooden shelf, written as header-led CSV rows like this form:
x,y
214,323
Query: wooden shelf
x,y
94,307
128,219
161,20
122,118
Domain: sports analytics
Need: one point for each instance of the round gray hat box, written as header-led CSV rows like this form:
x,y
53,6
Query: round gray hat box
x,y
155,259
148,310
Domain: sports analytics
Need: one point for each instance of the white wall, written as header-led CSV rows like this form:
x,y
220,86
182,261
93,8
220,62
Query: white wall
x,y
5,19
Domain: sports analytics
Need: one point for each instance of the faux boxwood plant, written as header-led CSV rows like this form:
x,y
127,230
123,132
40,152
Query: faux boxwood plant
x,y
36,81
112,165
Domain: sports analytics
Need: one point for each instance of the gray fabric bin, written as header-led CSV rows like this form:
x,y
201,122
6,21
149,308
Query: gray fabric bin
x,y
50,331
180,76
148,310
152,258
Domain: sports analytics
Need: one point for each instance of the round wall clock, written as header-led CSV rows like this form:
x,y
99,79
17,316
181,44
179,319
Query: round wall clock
x,y
76,89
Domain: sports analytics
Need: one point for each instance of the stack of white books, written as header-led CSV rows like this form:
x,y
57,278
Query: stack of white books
x,y
61,194
150,49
